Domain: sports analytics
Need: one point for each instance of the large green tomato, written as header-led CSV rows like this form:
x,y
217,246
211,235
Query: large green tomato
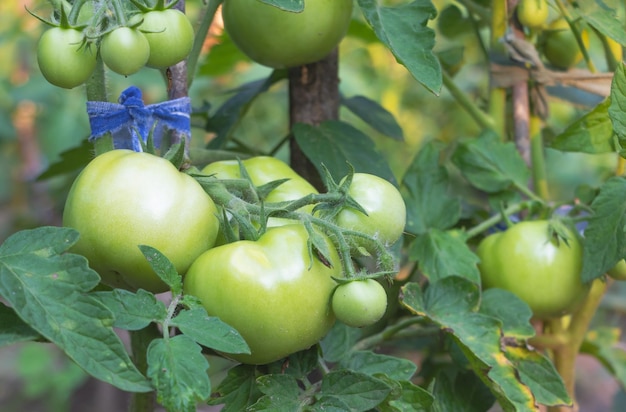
x,y
262,170
63,58
542,272
386,211
272,291
281,39
123,199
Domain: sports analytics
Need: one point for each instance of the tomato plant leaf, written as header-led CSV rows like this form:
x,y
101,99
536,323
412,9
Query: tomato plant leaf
x,y
372,363
452,303
179,372
335,144
513,312
442,254
339,341
539,374
591,133
403,29
603,19
14,329
280,392
617,108
295,6
163,268
466,393
490,164
227,117
362,392
210,331
604,243
132,311
238,390
374,115
298,365
408,397
603,343
47,287
72,160
426,190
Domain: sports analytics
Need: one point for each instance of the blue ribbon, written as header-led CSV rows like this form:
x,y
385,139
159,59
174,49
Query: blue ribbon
x,y
131,120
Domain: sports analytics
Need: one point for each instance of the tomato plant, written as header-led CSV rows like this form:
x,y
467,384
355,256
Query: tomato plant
x,y
273,291
170,36
385,208
533,13
278,38
125,50
560,47
359,303
124,199
64,58
533,263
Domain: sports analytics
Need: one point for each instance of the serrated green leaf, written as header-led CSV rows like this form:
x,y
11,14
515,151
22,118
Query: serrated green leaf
x,y
338,342
591,133
513,312
299,364
466,393
227,117
14,329
179,372
280,392
163,268
362,392
376,116
132,311
426,190
372,363
603,19
403,29
490,164
412,398
295,6
47,288
604,243
239,390
329,404
210,331
604,344
452,304
442,254
335,144
539,374
617,109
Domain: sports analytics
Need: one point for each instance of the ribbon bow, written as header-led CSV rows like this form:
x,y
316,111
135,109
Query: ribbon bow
x,y
131,120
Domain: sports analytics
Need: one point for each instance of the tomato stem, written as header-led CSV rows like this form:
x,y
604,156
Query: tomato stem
x,y
97,91
497,218
118,9
139,342
480,117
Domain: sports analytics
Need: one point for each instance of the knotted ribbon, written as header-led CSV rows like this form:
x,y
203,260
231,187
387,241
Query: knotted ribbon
x,y
131,120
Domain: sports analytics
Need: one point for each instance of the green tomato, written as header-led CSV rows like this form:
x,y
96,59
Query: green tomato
x,y
125,50
359,303
262,170
123,199
533,13
281,39
618,272
170,35
272,291
63,58
560,47
386,211
542,272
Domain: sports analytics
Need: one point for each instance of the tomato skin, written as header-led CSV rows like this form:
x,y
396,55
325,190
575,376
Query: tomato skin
x,y
533,13
170,35
560,47
618,272
281,39
527,262
359,303
269,290
123,199
63,59
125,50
386,210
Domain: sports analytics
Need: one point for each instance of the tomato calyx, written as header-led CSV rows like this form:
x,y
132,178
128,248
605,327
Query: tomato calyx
x,y
159,6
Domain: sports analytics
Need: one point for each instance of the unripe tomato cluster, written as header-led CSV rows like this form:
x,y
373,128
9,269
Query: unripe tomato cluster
x,y
277,294
67,58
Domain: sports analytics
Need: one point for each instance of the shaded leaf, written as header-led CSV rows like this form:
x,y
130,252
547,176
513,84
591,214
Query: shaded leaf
x,y
287,5
338,342
372,363
513,312
403,29
14,329
410,398
603,19
592,133
280,392
466,393
238,390
374,115
179,372
362,392
604,344
47,288
617,109
72,160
